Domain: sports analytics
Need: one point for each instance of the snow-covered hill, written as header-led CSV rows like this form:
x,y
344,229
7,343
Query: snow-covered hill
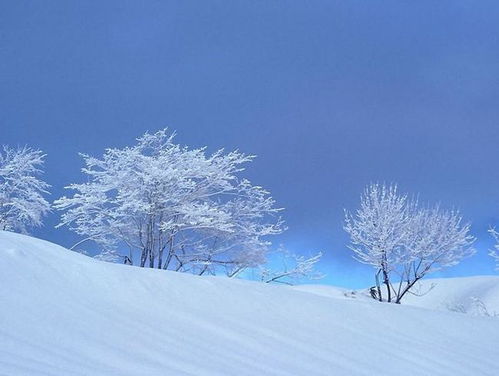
x,y
66,314
477,296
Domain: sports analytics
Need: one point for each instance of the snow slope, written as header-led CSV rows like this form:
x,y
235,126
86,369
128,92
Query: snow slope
x,y
66,314
458,294
468,295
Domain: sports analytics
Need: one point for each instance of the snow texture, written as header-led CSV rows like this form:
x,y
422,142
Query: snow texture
x,y
66,314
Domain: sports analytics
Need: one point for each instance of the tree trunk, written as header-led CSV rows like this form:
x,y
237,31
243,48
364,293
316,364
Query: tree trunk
x,y
378,286
160,258
151,259
143,258
406,290
386,278
387,283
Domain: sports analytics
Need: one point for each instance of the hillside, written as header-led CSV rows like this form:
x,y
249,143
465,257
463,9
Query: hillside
x,y
66,314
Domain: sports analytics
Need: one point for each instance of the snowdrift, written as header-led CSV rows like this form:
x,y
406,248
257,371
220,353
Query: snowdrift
x,y
66,314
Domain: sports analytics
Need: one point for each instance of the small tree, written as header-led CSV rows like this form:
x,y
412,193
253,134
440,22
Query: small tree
x,y
378,230
396,237
173,207
22,204
436,239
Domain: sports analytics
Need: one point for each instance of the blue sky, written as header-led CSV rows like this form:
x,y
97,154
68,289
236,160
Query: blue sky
x,y
330,95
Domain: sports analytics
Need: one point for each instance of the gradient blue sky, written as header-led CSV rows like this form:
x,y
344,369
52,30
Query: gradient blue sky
x,y
329,94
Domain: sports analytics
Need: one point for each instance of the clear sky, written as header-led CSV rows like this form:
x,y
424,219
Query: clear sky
x,y
330,95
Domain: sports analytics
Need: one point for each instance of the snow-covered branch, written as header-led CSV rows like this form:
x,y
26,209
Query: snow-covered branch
x,y
22,204
291,268
494,253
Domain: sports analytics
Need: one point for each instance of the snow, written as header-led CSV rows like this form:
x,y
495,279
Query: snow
x,y
456,293
67,314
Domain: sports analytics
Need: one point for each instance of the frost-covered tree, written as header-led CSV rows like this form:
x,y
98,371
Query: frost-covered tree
x,y
436,239
404,242
172,207
22,204
494,253
378,230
